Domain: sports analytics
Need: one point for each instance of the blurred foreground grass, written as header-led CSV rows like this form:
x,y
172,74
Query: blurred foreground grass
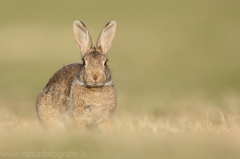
x,y
179,134
175,65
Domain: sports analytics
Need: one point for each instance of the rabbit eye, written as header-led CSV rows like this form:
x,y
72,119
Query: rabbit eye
x,y
105,63
83,62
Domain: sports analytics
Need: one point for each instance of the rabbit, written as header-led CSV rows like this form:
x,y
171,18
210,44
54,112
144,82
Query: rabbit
x,y
82,94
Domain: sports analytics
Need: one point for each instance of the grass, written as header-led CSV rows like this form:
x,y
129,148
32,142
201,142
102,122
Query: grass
x,y
175,66
181,128
194,128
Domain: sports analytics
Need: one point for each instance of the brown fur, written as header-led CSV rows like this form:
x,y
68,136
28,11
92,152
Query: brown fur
x,y
80,94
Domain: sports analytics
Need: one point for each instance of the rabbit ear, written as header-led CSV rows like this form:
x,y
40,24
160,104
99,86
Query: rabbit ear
x,y
106,38
82,37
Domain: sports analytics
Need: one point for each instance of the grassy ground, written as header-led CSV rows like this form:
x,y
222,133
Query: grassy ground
x,y
175,65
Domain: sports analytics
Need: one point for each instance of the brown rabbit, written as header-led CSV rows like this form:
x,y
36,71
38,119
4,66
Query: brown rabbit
x,y
82,94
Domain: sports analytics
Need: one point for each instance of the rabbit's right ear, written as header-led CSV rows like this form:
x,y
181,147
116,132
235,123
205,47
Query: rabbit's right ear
x,y
82,37
106,38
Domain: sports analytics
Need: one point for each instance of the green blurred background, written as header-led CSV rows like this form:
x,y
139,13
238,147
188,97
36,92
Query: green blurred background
x,y
163,49
167,55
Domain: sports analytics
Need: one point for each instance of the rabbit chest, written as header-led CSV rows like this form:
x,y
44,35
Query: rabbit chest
x,y
93,105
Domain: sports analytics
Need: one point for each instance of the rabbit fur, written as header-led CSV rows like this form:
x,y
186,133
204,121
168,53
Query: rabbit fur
x,y
82,94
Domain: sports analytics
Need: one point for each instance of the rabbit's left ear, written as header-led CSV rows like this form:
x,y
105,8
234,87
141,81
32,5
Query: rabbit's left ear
x,y
82,37
106,38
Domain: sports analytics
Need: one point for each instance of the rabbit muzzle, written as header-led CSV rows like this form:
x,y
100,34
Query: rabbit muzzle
x,y
95,79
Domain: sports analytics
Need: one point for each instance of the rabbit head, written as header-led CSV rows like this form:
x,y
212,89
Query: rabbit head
x,y
94,71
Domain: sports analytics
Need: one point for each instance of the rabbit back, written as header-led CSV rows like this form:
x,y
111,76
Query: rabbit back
x,y
52,103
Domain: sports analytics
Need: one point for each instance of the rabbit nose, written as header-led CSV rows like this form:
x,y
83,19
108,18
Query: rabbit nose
x,y
95,77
